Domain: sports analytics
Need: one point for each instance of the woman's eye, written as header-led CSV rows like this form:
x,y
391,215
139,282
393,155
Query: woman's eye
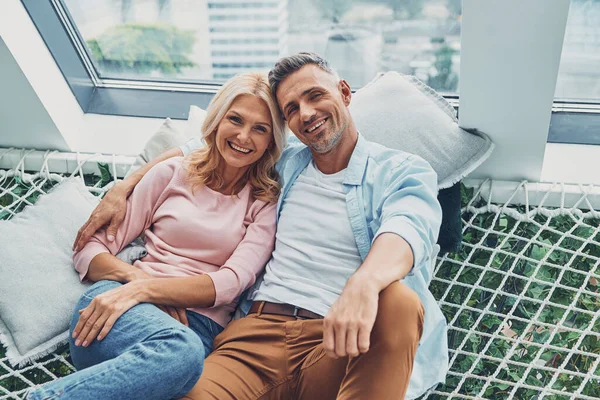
x,y
261,129
235,120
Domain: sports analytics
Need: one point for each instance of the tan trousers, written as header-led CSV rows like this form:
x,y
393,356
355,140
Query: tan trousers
x,y
266,356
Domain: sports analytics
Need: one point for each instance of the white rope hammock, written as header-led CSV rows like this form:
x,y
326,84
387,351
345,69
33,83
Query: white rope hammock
x,y
521,297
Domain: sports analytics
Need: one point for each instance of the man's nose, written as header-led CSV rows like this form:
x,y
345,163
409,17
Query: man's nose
x,y
307,113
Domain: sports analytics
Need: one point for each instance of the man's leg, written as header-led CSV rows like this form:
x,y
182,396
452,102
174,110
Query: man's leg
x,y
250,360
381,373
146,355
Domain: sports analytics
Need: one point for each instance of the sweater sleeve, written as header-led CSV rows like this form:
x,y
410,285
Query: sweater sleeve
x,y
248,259
141,206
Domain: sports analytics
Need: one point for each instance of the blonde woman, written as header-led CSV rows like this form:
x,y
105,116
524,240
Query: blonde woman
x,y
209,226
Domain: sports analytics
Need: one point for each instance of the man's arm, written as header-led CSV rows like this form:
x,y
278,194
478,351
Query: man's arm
x,y
111,209
410,218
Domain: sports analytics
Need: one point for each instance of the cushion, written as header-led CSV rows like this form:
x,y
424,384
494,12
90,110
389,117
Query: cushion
x,y
168,137
39,284
401,112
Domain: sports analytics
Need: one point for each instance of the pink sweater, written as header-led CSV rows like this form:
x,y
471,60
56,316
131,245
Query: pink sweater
x,y
204,232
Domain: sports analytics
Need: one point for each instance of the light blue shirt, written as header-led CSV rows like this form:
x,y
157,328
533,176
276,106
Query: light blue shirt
x,y
388,191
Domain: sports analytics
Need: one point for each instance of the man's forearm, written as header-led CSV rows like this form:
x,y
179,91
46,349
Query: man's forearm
x,y
127,184
107,266
389,260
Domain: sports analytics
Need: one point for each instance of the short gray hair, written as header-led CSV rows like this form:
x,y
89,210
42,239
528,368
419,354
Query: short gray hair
x,y
290,64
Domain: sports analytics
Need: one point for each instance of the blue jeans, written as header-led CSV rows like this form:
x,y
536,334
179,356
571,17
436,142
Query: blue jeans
x,y
146,355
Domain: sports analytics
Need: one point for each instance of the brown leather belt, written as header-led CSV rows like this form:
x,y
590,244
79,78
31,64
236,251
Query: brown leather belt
x,y
283,309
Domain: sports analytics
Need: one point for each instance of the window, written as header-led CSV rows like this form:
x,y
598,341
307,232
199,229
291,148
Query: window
x,y
579,71
191,40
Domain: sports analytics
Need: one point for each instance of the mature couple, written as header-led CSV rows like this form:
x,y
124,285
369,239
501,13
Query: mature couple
x,y
328,317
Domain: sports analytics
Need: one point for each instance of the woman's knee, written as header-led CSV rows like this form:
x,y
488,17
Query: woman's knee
x,y
188,354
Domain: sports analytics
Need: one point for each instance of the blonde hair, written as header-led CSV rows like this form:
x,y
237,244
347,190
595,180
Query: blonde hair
x,y
202,164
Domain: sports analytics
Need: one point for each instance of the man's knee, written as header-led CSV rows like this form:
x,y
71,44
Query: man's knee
x,y
399,318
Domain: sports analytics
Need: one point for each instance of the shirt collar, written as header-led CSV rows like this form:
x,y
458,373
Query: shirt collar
x,y
358,163
356,166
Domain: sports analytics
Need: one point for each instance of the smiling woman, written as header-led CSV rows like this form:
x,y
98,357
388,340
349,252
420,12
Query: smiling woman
x,y
209,226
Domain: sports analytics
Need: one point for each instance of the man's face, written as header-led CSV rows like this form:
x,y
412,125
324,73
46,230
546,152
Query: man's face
x,y
315,105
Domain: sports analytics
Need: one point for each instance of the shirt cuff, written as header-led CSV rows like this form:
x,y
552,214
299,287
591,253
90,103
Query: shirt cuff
x,y
85,256
226,286
402,227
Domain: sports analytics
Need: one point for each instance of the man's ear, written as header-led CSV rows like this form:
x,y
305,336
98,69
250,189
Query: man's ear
x,y
345,91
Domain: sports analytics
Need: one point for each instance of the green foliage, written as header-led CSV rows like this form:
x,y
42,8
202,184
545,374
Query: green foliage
x,y
444,79
136,48
525,297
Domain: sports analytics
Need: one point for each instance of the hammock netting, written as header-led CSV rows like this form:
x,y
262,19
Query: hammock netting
x,y
521,296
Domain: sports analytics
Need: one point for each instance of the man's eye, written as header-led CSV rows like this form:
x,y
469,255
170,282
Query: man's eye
x,y
291,110
316,96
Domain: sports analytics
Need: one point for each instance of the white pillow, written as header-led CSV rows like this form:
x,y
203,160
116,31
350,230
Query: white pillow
x,y
168,137
38,282
401,112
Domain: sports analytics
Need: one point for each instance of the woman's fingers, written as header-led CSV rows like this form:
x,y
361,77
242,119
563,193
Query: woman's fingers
x,y
93,332
182,316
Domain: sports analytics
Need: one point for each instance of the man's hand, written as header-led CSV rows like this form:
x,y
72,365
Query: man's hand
x,y
348,324
98,318
111,211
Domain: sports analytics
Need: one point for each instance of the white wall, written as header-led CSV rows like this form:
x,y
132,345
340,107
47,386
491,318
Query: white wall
x,y
24,119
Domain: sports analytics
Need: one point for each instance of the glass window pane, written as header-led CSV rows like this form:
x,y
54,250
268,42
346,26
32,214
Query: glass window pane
x,y
579,71
205,40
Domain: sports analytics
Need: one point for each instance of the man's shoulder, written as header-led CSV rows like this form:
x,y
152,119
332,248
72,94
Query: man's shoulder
x,y
390,159
293,148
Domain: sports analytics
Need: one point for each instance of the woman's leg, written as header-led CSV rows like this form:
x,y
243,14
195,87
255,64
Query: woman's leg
x,y
146,355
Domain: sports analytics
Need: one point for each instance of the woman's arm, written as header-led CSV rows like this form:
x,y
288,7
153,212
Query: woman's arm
x,y
107,266
111,210
223,286
140,208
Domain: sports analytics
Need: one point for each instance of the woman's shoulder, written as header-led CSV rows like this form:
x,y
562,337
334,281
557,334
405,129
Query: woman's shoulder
x,y
168,169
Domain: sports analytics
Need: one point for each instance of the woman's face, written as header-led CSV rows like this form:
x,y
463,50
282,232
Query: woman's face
x,y
245,132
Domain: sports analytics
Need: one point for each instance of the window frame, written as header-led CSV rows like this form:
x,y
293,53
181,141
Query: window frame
x,y
161,99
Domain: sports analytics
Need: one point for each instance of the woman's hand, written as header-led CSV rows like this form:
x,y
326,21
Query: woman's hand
x,y
98,318
176,312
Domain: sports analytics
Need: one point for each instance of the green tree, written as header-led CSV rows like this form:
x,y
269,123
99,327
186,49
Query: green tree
x,y
334,10
444,79
142,49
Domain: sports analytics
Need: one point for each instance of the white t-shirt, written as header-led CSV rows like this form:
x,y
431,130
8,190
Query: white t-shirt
x,y
315,250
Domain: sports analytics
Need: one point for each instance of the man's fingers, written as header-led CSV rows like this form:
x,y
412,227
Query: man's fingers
x,y
352,342
340,339
111,232
329,338
79,235
364,340
182,316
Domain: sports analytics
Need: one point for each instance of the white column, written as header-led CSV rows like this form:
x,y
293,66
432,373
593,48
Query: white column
x,y
510,53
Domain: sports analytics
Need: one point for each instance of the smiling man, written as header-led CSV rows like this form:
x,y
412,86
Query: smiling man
x,y
342,310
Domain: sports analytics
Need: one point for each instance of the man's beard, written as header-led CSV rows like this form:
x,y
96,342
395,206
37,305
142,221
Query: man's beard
x,y
326,145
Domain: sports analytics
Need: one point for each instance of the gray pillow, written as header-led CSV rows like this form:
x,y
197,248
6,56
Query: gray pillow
x,y
168,137
401,112
38,283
